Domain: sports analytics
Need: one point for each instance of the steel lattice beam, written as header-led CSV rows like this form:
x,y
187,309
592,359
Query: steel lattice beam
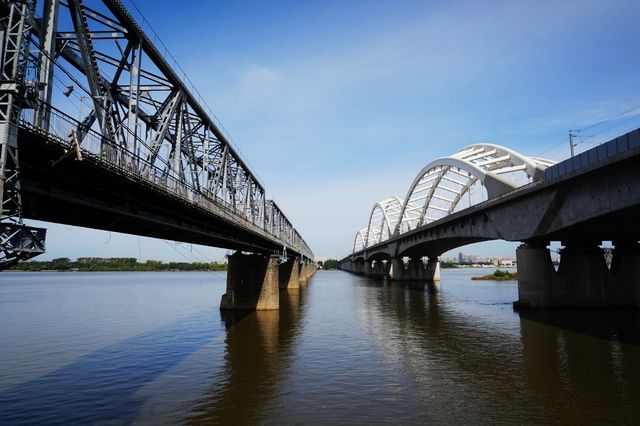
x,y
142,117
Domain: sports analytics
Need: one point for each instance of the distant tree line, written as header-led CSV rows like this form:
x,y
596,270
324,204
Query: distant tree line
x,y
115,264
328,264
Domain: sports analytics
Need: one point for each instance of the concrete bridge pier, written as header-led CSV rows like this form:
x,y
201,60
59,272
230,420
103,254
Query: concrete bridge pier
x,y
625,272
289,274
535,275
583,278
582,275
346,266
415,270
313,270
252,282
377,268
306,271
433,269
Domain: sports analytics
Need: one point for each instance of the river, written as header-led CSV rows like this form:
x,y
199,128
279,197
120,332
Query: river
x,y
153,348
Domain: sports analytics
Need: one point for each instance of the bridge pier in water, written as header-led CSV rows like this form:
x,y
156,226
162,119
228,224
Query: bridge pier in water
x,y
252,282
583,278
289,274
415,270
377,268
306,271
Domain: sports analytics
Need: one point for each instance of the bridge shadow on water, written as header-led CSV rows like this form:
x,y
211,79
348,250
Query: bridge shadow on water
x,y
615,324
102,386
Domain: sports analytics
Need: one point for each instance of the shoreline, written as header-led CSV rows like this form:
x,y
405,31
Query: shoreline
x,y
115,270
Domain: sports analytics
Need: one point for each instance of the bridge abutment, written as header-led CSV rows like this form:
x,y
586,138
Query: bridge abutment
x,y
252,282
415,270
583,278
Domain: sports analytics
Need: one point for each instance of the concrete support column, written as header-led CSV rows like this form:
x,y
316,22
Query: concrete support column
x,y
397,268
535,275
377,268
433,269
312,270
289,273
415,270
625,273
583,278
307,270
382,268
346,266
303,272
358,267
252,282
583,275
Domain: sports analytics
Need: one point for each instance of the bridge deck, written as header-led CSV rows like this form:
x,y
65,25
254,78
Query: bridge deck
x,y
96,194
598,201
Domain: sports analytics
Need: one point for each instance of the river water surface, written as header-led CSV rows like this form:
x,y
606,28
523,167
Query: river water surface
x,y
153,348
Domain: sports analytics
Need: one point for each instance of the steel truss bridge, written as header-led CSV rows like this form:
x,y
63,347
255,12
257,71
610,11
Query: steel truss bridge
x,y
447,185
98,129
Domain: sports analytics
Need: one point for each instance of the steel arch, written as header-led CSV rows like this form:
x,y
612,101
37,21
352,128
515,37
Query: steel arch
x,y
359,241
435,193
382,220
440,186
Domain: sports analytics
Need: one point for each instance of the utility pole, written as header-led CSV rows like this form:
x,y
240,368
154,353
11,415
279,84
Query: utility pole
x,y
572,134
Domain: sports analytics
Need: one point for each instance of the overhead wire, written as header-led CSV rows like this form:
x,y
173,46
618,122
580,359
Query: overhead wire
x,y
599,123
191,260
583,140
611,118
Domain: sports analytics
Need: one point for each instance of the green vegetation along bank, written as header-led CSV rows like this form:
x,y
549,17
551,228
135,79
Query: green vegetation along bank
x,y
115,264
498,275
328,264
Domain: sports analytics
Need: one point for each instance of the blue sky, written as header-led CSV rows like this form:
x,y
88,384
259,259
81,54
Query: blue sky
x,y
337,105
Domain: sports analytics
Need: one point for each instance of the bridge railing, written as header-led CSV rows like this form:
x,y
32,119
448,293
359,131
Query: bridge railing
x,y
62,129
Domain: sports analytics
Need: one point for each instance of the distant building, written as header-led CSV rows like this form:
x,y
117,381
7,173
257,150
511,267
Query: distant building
x,y
505,261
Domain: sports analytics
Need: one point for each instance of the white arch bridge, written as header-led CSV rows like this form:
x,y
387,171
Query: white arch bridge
x,y
447,185
487,192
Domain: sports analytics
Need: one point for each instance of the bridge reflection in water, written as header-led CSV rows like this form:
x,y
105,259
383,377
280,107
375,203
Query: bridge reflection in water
x,y
259,356
343,349
423,351
463,349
